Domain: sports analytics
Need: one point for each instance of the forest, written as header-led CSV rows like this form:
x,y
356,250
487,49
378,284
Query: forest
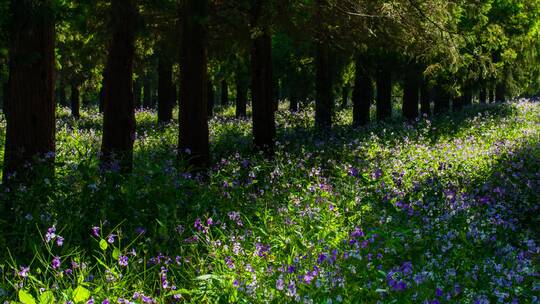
x,y
269,151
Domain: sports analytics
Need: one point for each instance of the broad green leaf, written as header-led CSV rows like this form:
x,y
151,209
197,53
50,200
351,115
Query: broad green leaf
x,y
81,294
26,298
116,253
103,245
46,298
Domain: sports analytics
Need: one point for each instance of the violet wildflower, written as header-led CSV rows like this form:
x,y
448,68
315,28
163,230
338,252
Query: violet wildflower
x,y
110,238
56,262
50,235
59,241
23,273
123,260
280,285
95,231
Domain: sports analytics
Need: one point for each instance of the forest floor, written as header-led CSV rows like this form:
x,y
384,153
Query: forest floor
x,y
442,211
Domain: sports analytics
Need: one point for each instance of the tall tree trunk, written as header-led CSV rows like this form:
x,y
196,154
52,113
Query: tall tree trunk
x,y
211,96
293,101
224,93
500,92
62,99
193,136
442,100
483,94
384,93
425,98
324,102
362,94
30,130
165,90
119,111
491,94
411,89
264,127
4,96
75,99
147,92
101,100
241,96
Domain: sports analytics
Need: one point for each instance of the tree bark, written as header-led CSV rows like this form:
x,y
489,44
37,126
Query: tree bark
x,y
30,130
324,102
165,91
500,92
224,93
293,101
264,127
75,99
384,93
425,99
119,111
137,93
442,100
411,89
483,94
147,92
241,97
193,136
62,99
345,90
362,94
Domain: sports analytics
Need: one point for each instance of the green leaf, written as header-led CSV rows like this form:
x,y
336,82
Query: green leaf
x,y
46,298
81,294
26,298
116,253
103,245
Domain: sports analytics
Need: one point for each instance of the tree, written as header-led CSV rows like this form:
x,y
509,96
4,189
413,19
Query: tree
x,y
30,107
411,90
193,138
119,108
264,127
362,94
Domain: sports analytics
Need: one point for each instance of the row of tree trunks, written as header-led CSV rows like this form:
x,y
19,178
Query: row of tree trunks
x,y
166,90
363,94
384,93
264,127
30,106
119,109
193,138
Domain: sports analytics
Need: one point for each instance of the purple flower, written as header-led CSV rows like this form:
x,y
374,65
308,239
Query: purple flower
x,y
291,289
90,301
229,262
123,260
59,241
140,230
56,262
438,292
23,272
95,231
50,235
280,285
198,225
357,233
110,238
106,301
209,221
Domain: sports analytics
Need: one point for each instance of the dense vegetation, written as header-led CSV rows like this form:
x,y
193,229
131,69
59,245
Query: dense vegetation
x,y
376,151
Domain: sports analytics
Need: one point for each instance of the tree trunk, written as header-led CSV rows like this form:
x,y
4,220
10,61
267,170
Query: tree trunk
x,y
500,92
75,99
30,130
241,97
483,94
224,93
165,91
193,136
62,99
384,94
147,93
264,127
211,96
324,102
425,99
5,90
101,100
119,111
491,94
362,94
442,100
411,88
293,101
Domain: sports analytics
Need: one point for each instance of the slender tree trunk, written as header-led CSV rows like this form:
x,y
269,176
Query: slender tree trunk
x,y
425,99
193,137
384,93
264,127
442,100
101,100
241,97
500,92
30,130
293,101
4,96
165,91
62,93
211,96
324,102
147,92
362,94
411,89
119,111
75,99
483,94
224,93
